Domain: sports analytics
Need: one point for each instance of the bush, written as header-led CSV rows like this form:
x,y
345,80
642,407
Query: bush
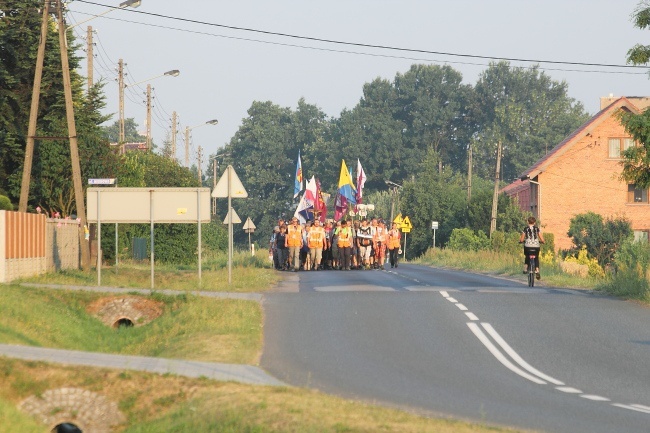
x,y
5,203
582,258
630,277
601,238
466,240
506,242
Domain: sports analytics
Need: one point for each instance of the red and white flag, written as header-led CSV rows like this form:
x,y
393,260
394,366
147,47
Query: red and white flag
x,y
361,181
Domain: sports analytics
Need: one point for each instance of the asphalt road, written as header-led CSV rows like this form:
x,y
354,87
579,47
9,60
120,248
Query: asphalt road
x,y
467,346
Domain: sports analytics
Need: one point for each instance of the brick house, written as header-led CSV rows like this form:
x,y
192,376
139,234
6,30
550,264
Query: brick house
x,y
581,174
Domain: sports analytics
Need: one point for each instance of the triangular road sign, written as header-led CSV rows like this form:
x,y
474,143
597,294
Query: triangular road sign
x,y
249,224
234,190
235,217
407,223
398,220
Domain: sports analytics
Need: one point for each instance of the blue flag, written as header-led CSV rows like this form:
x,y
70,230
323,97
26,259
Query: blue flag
x,y
298,183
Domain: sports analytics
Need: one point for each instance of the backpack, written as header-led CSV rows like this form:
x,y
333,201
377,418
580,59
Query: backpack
x,y
531,239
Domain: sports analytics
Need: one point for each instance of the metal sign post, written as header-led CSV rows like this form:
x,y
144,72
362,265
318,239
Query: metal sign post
x,y
434,226
231,187
249,228
405,226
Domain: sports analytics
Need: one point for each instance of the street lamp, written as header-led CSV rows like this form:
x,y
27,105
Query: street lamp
x,y
187,138
125,4
123,85
395,188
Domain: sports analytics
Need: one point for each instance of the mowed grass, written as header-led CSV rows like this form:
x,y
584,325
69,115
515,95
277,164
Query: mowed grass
x,y
158,404
504,264
249,274
204,329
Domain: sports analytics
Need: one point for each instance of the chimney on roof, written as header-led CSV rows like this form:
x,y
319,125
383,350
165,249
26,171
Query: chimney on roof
x,y
606,101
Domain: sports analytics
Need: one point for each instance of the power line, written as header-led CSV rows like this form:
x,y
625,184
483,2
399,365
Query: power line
x,y
363,45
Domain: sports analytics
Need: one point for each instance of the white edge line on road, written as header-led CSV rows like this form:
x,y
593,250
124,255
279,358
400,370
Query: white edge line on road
x,y
568,390
462,307
594,397
640,406
515,356
471,316
499,356
632,407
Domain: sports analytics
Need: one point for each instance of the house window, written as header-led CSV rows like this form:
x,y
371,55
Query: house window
x,y
640,236
636,195
618,145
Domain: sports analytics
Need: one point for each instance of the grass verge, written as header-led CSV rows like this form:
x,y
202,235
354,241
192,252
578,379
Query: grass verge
x,y
159,404
202,329
249,274
504,264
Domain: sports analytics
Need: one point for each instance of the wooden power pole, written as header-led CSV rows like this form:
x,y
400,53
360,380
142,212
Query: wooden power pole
x,y
469,175
148,117
89,52
72,130
495,198
173,153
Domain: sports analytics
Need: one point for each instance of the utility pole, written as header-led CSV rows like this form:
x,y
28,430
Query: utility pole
x,y
199,166
72,133
187,146
120,84
214,185
495,197
148,117
173,155
33,113
469,175
89,51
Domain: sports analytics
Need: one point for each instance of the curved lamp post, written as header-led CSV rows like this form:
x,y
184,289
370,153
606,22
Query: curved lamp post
x,y
187,138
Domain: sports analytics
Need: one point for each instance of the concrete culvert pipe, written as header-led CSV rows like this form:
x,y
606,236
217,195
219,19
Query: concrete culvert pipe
x,y
124,322
66,427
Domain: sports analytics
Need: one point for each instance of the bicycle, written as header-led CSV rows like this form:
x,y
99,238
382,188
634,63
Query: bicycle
x,y
532,262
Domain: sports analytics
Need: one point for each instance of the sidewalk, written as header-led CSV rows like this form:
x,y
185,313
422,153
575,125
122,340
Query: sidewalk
x,y
212,370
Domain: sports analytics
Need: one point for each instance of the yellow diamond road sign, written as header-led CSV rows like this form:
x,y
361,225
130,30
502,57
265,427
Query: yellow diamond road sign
x,y
398,220
406,225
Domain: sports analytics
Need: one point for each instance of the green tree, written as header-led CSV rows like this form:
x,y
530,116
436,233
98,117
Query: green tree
x,y
263,153
433,196
524,109
51,184
432,105
131,134
636,160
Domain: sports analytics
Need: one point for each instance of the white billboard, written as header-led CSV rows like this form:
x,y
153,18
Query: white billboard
x,y
143,205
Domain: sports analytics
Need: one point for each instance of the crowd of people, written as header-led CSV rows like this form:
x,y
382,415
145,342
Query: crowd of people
x,y
337,245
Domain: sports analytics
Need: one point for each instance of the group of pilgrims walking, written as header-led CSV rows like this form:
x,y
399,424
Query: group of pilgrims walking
x,y
334,245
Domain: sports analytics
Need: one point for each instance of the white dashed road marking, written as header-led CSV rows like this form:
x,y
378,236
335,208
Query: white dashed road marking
x,y
530,373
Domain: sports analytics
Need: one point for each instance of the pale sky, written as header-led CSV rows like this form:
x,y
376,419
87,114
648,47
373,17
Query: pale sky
x,y
222,70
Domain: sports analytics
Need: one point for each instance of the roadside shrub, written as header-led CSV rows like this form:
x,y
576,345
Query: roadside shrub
x,y
5,203
630,278
601,238
466,240
506,242
582,258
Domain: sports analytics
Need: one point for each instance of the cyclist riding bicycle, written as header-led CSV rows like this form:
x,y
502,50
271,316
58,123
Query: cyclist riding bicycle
x,y
531,237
